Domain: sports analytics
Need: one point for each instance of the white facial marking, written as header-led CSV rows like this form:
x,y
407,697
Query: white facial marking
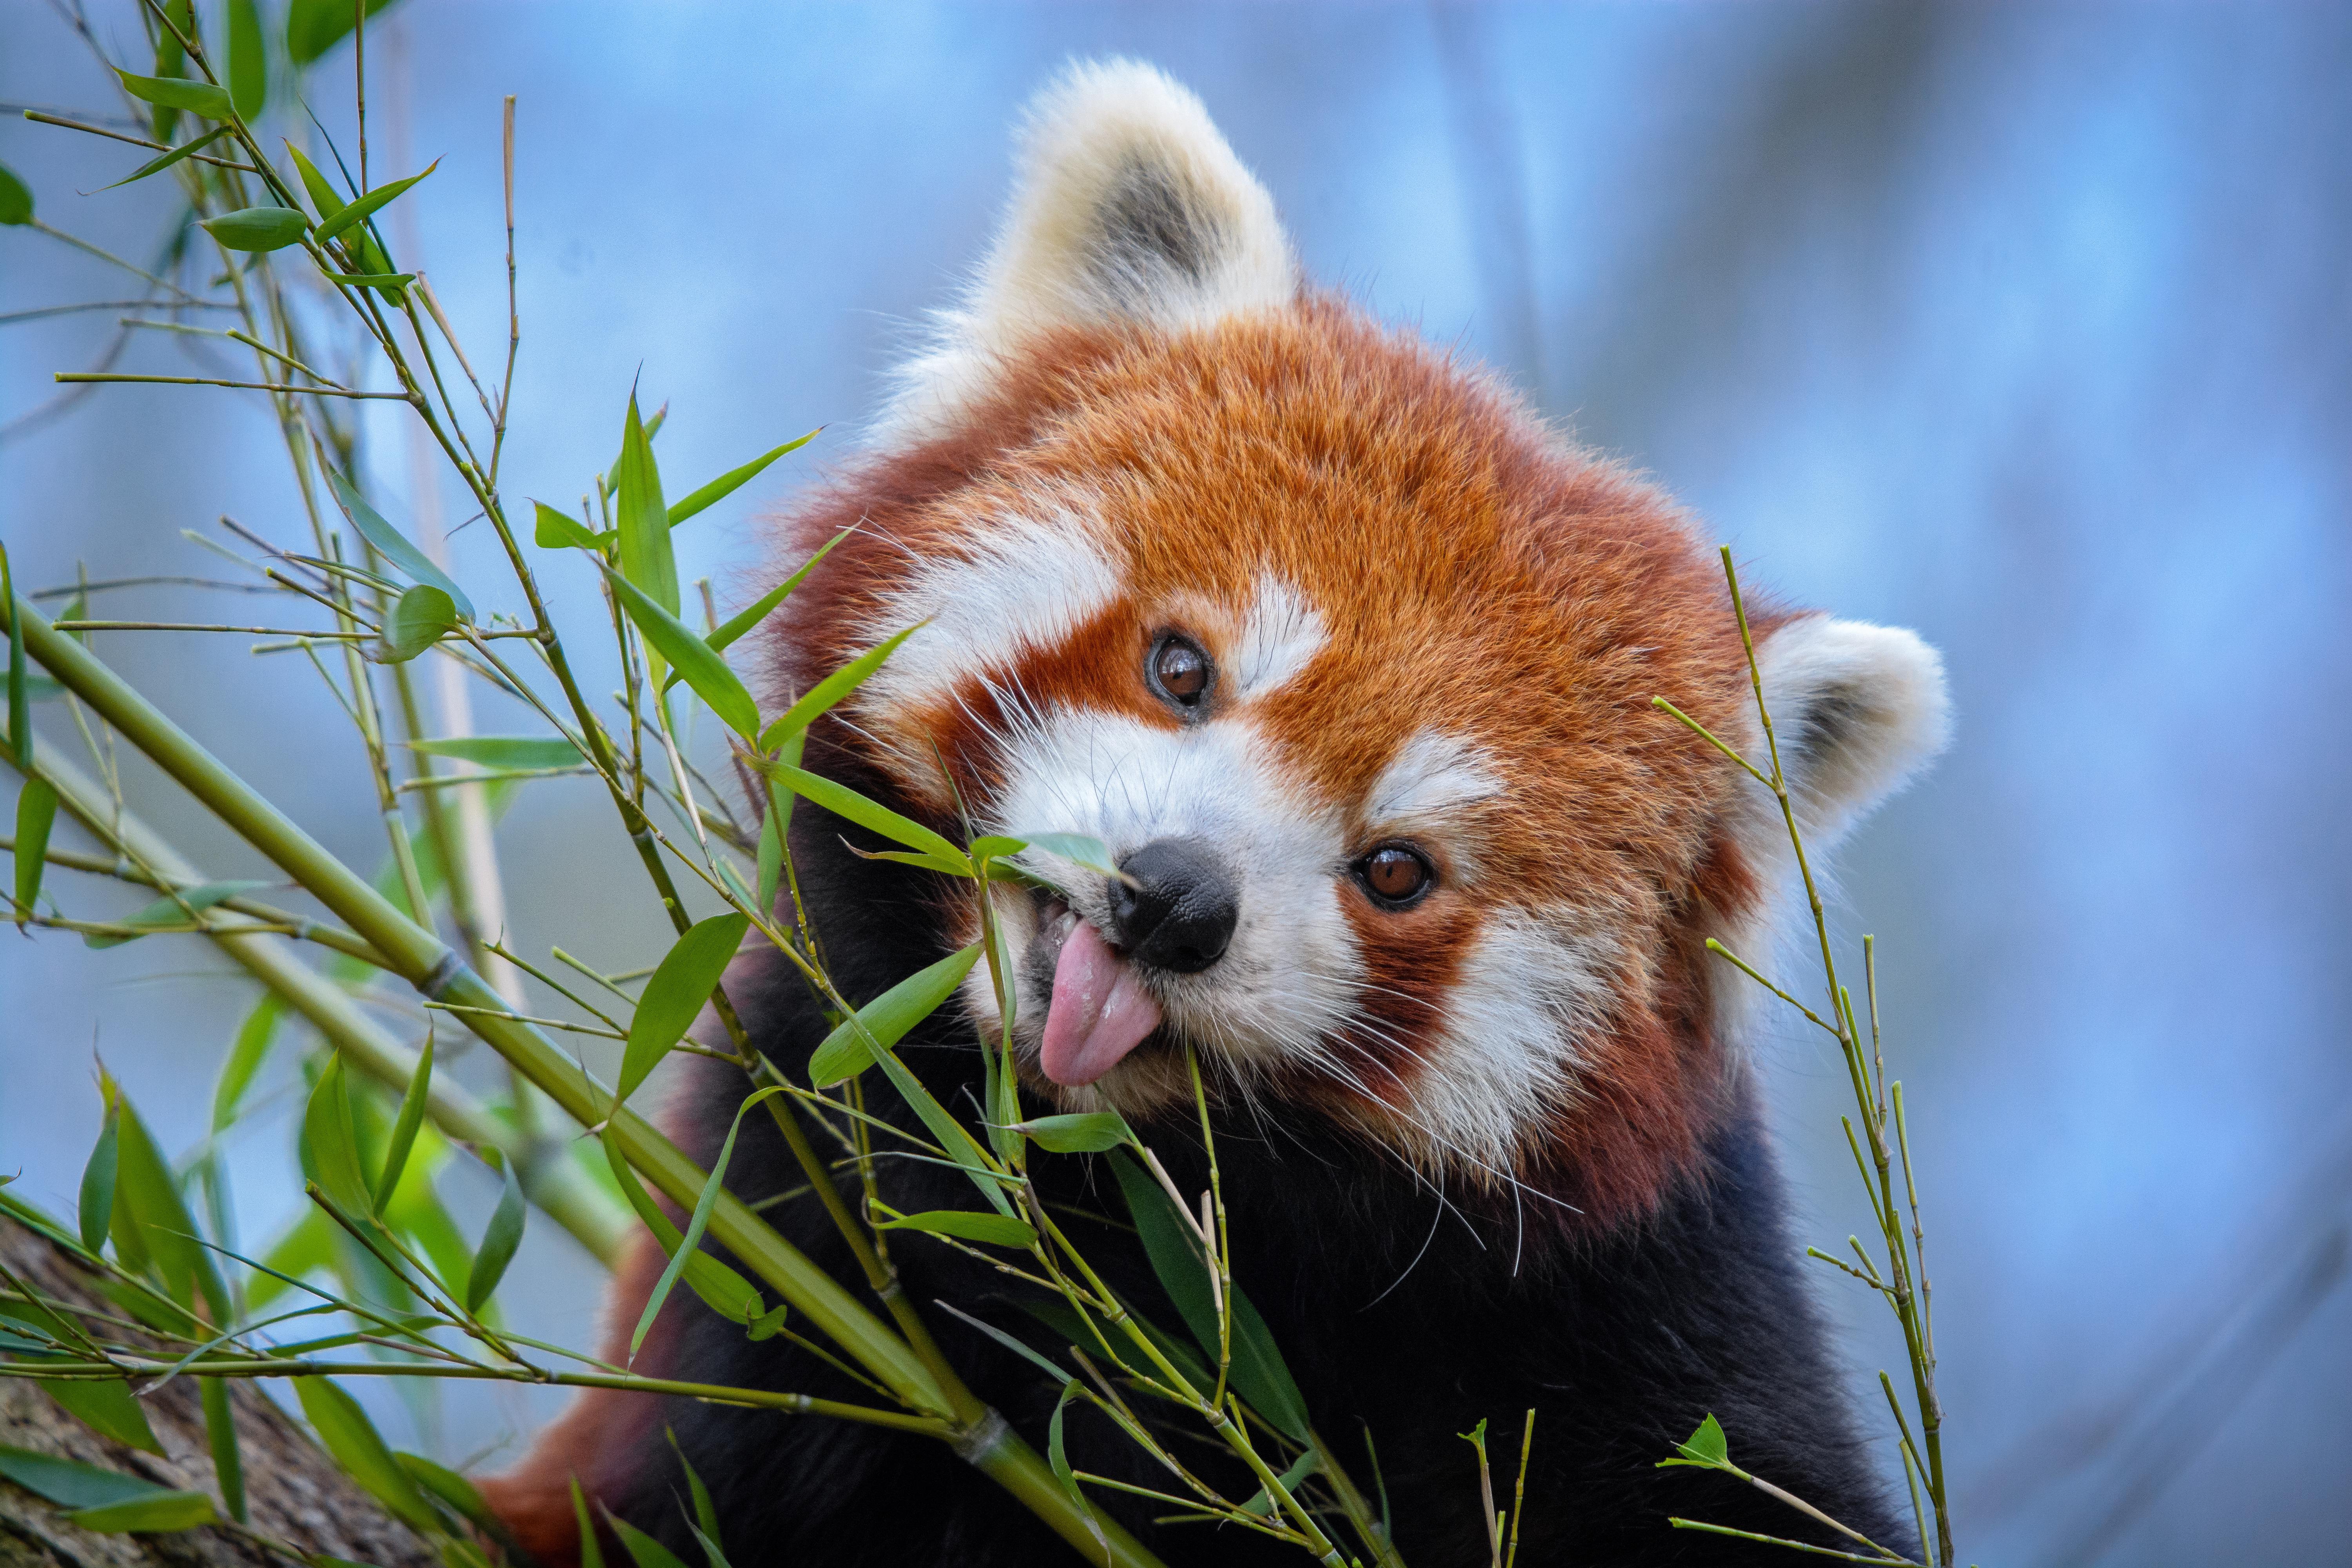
x,y
1291,972
1530,987
1433,775
1280,635
1018,583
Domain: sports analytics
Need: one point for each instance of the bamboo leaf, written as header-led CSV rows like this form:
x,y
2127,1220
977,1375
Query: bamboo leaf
x,y
848,1050
1060,1461
517,753
706,1515
332,1145
997,1229
353,1439
751,615
843,801
16,199
677,994
643,1549
733,480
156,165
1078,848
641,519
359,211
553,530
220,1437
314,26
257,228
382,281
395,547
97,1207
173,910
150,1515
722,1289
499,1240
1174,1249
698,664
245,1053
832,690
147,1204
1706,1448
178,92
403,1129
323,193
108,1409
687,1244
591,1553
36,813
1080,1132
70,1483
20,702
451,1488
249,64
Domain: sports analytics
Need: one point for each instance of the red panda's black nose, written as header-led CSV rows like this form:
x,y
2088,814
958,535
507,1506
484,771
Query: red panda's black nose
x,y
1180,911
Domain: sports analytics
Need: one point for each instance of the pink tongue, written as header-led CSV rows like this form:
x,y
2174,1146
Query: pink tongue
x,y
1099,1011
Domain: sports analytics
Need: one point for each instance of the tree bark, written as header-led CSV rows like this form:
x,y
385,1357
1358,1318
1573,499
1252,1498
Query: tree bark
x,y
294,1492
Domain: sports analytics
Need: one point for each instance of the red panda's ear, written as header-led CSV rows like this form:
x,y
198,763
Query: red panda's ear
x,y
1129,206
1858,710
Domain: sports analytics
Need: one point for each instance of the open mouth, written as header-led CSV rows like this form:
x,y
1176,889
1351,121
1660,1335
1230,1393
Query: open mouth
x,y
1099,1010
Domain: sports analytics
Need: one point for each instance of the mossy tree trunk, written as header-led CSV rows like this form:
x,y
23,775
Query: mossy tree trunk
x,y
294,1491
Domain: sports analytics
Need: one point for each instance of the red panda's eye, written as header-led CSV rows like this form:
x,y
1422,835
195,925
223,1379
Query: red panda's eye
x,y
1180,672
1396,874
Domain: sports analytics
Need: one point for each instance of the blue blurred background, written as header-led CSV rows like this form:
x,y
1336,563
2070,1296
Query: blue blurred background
x,y
2029,327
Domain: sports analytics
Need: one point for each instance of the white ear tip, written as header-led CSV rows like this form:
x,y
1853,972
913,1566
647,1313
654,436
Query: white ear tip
x,y
1859,709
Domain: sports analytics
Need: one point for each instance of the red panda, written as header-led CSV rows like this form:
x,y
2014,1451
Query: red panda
x,y
1349,661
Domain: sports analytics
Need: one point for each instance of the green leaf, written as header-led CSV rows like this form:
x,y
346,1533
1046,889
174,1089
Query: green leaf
x,y
848,1050
1081,1132
706,1515
515,754
1076,848
156,165
643,1550
16,199
353,1439
498,1243
688,1244
451,1488
151,1515
831,689
733,480
641,519
722,1289
1705,1447
307,1247
249,66
386,281
998,1230
332,1145
314,26
763,1325
148,1206
423,616
760,608
395,547
178,92
1257,1367
843,801
36,813
323,193
69,1483
698,664
257,228
245,1053
403,1129
20,705
359,211
97,1208
108,1409
220,1437
677,994
591,1551
173,910
769,862
560,530
1060,1461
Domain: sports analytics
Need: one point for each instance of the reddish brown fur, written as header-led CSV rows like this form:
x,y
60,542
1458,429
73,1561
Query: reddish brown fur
x,y
1467,564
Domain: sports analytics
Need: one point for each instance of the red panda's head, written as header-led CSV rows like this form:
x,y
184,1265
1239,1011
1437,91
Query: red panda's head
x,y
1349,661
